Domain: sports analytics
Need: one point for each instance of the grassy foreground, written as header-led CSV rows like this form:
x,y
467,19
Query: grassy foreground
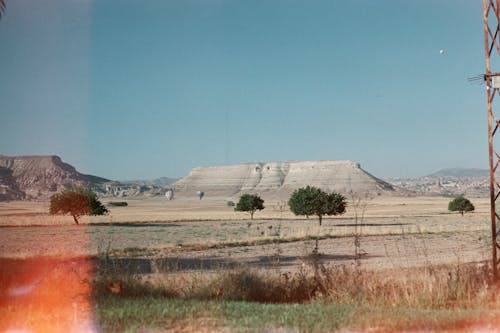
x,y
317,299
131,315
119,314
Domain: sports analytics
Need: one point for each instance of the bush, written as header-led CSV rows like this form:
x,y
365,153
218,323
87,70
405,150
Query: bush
x,y
243,285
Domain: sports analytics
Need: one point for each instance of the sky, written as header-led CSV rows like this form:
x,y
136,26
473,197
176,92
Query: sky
x,y
128,89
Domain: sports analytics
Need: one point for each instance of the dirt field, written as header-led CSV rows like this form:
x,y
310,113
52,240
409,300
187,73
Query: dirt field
x,y
152,235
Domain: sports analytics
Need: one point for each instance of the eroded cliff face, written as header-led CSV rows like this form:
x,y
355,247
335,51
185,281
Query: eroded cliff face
x,y
30,177
280,179
9,190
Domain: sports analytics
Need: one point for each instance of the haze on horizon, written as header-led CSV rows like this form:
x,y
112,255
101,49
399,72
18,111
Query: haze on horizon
x,y
136,90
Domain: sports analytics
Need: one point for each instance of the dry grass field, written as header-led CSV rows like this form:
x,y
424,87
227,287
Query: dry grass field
x,y
395,231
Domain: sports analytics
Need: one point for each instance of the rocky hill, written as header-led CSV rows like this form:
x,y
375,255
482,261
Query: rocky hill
x,y
30,177
39,177
280,179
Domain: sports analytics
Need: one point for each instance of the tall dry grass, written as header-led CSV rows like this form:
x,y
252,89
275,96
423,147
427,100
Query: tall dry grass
x,y
443,287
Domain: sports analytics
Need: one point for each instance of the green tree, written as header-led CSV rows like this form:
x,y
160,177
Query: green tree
x,y
77,201
311,200
460,204
249,203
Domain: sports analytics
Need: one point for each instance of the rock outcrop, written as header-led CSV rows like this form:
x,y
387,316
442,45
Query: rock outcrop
x,y
280,179
29,177
9,190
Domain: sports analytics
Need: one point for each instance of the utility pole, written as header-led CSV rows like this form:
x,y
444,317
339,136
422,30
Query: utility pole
x,y
491,20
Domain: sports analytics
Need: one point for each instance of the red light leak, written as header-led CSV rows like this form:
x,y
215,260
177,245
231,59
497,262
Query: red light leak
x,y
46,295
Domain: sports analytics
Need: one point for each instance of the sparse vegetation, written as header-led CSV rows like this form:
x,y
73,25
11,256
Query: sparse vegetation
x,y
77,202
281,206
249,203
359,203
460,204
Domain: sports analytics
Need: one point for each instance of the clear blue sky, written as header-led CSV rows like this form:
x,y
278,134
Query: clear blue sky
x,y
128,89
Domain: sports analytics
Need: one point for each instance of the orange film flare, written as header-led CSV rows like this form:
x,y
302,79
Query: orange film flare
x,y
46,295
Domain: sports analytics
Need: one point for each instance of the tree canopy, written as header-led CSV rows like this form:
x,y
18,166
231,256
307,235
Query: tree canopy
x,y
77,201
311,200
249,203
460,204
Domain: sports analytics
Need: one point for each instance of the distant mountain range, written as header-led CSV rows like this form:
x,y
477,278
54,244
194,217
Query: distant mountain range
x,y
162,181
460,173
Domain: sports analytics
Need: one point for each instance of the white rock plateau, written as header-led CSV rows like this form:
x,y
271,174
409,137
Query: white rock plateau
x,y
280,179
